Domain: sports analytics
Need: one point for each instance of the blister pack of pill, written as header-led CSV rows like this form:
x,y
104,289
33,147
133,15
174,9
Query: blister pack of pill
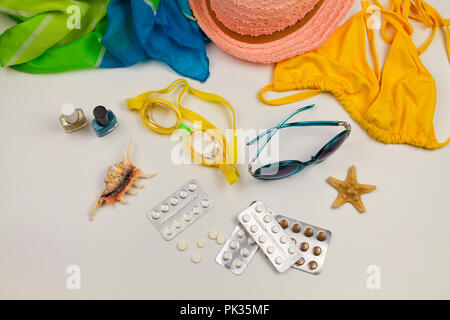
x,y
238,251
181,209
260,223
311,240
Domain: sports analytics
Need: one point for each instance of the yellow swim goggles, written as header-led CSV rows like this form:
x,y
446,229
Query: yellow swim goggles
x,y
218,152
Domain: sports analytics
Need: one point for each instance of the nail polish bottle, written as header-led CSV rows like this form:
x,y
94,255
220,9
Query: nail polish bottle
x,y
72,119
105,121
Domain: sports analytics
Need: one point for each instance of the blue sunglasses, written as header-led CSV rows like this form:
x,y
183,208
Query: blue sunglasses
x,y
287,168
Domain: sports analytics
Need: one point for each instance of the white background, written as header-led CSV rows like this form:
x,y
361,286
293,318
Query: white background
x,y
51,180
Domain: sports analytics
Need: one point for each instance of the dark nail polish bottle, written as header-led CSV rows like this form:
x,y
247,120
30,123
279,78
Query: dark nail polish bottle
x,y
105,121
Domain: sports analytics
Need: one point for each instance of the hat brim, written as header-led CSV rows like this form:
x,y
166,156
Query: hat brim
x,y
308,37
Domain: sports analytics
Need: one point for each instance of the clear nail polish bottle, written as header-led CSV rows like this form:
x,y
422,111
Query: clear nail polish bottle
x,y
72,119
105,121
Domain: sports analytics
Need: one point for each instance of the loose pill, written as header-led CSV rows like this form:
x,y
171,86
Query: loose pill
x,y
182,245
201,243
196,258
212,234
220,238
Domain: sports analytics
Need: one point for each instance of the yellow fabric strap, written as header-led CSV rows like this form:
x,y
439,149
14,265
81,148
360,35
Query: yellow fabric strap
x,y
422,12
227,163
287,99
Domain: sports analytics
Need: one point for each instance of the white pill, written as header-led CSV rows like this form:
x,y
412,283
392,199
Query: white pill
x,y
182,245
156,215
278,260
164,208
254,228
291,249
195,210
270,249
262,239
178,223
205,203
168,231
241,233
201,243
212,234
192,187
284,239
259,208
183,194
196,258
267,218
245,252
220,239
187,217
234,244
276,229
251,241
226,256
174,201
237,263
246,218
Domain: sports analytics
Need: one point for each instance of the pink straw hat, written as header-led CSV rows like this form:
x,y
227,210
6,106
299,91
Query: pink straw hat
x,y
268,31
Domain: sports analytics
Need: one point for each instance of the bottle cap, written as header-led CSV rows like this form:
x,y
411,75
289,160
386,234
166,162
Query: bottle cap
x,y
69,113
101,115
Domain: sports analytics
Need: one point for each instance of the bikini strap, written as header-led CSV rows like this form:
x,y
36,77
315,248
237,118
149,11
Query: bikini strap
x,y
421,11
299,96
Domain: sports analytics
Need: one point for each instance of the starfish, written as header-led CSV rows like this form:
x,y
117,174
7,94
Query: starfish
x,y
350,190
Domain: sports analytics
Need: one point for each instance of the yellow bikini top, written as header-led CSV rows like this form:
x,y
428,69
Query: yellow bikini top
x,y
396,105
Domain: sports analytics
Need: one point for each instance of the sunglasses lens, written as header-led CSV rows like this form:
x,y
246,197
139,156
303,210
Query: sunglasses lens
x,y
278,171
331,148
